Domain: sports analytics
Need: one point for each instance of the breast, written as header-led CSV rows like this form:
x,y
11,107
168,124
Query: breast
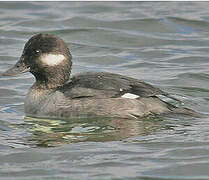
x,y
34,100
40,101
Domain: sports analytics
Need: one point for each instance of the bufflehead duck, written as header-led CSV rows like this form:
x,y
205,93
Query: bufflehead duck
x,y
90,94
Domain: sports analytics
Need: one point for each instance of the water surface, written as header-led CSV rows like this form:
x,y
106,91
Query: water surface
x,y
163,43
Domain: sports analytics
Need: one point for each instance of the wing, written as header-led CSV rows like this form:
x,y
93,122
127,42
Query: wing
x,y
107,85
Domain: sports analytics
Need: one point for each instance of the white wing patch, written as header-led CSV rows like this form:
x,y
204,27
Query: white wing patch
x,y
130,96
52,59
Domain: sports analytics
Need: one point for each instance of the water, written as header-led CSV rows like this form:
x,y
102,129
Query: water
x,y
163,43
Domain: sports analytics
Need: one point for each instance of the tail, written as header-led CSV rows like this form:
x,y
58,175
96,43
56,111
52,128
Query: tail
x,y
183,110
187,112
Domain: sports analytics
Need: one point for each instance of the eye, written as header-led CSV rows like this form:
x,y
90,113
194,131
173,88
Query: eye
x,y
37,52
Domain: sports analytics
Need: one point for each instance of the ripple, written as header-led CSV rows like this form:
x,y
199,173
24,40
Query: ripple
x,y
135,25
198,25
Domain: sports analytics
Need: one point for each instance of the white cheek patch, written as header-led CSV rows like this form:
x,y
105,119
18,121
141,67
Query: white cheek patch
x,y
130,96
52,59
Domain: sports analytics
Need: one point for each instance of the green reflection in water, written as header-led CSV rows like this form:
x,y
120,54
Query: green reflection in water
x,y
55,132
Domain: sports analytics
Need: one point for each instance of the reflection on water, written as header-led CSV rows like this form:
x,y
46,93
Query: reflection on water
x,y
55,132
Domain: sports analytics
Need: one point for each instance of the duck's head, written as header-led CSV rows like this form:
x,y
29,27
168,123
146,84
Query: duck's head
x,y
47,57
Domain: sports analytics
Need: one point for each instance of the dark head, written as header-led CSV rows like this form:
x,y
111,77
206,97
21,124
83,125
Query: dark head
x,y
48,58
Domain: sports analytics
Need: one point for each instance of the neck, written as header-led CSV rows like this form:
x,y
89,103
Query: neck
x,y
51,82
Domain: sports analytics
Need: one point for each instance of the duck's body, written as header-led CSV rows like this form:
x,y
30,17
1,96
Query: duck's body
x,y
55,94
96,94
